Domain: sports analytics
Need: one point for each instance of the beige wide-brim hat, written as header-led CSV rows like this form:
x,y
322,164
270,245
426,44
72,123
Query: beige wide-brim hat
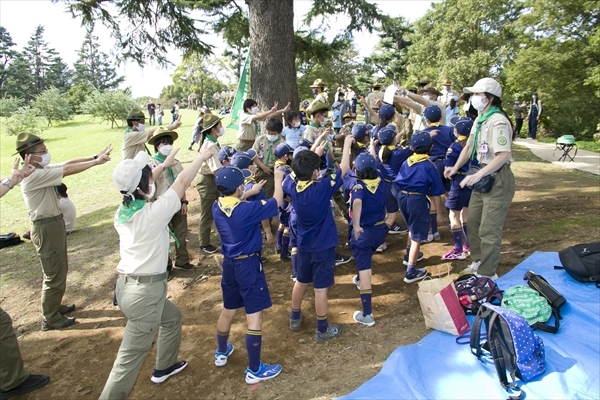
x,y
209,120
317,105
318,83
430,89
27,140
160,132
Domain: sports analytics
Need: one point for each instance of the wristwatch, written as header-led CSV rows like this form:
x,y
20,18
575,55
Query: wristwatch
x,y
185,202
6,182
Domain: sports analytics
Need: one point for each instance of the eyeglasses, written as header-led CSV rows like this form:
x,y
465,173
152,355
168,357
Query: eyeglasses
x,y
39,152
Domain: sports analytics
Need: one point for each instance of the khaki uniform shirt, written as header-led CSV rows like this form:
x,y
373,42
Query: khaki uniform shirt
x,y
133,143
248,130
448,95
264,149
312,133
374,96
442,107
164,181
495,136
39,193
211,165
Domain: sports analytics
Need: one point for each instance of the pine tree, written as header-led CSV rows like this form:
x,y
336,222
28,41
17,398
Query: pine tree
x,y
95,68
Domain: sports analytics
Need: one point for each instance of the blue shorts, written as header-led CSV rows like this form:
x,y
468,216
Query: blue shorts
x,y
458,197
244,285
293,225
391,202
415,211
284,214
439,164
316,267
364,248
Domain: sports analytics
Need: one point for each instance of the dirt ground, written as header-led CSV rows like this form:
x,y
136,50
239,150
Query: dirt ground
x,y
552,209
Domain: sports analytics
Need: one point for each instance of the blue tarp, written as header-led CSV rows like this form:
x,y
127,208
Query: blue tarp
x,y
438,368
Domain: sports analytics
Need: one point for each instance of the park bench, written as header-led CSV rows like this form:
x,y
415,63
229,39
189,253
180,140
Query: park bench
x,y
566,144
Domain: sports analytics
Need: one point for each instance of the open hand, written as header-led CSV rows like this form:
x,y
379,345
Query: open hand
x,y
170,159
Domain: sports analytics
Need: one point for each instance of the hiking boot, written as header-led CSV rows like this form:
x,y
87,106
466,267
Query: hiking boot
x,y
340,259
210,249
295,323
416,275
161,375
381,248
396,229
356,281
265,372
419,258
31,383
454,254
333,331
366,320
186,266
68,321
65,309
221,358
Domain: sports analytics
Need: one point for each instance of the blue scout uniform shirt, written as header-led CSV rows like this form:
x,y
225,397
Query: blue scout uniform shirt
x,y
452,156
421,177
286,171
389,169
316,230
249,184
372,194
238,224
349,182
444,139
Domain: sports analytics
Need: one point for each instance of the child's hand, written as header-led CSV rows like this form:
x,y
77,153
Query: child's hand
x,y
357,232
278,173
348,140
320,150
269,237
170,160
440,219
255,189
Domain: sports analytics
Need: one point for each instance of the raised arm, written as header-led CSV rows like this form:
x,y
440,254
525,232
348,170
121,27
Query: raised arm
x,y
185,178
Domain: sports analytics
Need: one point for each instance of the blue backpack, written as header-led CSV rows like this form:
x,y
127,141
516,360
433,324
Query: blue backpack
x,y
512,344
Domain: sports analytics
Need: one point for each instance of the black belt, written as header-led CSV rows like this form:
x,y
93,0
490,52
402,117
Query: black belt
x,y
147,278
246,140
47,220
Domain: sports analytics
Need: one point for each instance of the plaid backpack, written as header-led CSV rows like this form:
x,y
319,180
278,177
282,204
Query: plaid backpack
x,y
512,344
475,290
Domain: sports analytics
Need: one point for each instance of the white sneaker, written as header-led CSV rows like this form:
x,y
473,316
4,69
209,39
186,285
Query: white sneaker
x,y
493,277
381,248
429,238
472,268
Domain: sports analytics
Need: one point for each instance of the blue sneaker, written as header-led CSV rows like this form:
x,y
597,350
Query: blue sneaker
x,y
416,275
221,358
419,258
265,372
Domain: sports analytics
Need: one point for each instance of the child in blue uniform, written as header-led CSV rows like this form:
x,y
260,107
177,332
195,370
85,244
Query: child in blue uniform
x,y
442,137
284,153
225,154
368,228
360,132
243,282
418,178
316,234
458,197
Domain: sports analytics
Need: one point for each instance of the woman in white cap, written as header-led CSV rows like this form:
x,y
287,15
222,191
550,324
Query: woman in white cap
x,y
490,143
141,289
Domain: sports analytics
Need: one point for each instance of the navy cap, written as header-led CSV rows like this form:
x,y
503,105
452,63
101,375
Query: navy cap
x,y
420,141
226,153
365,160
359,131
282,149
455,119
305,143
299,149
305,103
386,135
243,159
387,111
230,178
433,113
463,126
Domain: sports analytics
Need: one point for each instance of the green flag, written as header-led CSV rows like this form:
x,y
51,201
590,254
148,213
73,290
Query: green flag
x,y
241,94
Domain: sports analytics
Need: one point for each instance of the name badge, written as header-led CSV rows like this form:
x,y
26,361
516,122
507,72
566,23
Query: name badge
x,y
483,151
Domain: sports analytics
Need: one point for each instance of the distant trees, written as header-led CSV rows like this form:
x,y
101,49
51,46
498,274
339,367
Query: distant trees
x,y
110,106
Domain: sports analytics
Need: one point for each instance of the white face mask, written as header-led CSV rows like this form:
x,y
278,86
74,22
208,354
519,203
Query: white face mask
x,y
165,150
254,110
141,127
324,122
152,191
221,131
478,103
272,138
297,124
45,159
426,96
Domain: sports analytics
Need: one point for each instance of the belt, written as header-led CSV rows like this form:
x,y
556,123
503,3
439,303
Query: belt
x,y
147,278
461,173
246,140
47,220
379,223
243,256
410,193
389,180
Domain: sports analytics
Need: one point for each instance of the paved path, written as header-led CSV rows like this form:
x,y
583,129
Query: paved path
x,y
587,161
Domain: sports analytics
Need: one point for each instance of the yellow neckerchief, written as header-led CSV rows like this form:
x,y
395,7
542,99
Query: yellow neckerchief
x,y
461,138
361,145
302,185
434,123
371,184
417,158
391,147
249,179
228,204
281,164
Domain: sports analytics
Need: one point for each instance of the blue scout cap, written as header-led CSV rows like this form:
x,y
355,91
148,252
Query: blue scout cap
x,y
359,131
433,113
230,177
305,143
464,125
299,149
365,160
386,135
387,111
420,141
243,159
282,149
305,103
226,153
455,119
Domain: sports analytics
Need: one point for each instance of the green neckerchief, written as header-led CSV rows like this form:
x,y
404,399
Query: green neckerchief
x,y
159,157
314,125
270,149
127,212
127,130
211,138
482,118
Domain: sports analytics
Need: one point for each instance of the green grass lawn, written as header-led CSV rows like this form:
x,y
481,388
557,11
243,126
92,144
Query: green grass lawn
x,y
92,191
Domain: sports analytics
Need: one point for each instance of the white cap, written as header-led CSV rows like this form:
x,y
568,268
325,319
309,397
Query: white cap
x,y
128,173
485,85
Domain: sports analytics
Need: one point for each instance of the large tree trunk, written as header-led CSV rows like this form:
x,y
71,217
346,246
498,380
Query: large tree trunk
x,y
272,45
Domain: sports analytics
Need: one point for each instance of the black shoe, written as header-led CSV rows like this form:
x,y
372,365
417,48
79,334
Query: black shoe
x,y
65,309
208,249
159,376
340,259
277,250
186,266
169,272
285,258
68,322
263,259
33,382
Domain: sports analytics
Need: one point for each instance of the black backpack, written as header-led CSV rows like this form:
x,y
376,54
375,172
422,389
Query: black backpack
x,y
10,239
582,262
173,110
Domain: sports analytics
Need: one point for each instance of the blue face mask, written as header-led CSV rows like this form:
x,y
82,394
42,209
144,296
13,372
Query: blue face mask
x,y
314,91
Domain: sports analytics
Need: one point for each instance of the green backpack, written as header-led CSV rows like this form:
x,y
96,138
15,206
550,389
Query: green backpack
x,y
528,303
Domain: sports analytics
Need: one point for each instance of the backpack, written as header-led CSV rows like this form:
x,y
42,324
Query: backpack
x,y
582,262
10,239
173,110
528,303
512,344
554,299
473,291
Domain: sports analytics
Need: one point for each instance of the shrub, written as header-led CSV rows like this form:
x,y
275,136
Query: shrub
x,y
109,106
52,105
8,105
25,119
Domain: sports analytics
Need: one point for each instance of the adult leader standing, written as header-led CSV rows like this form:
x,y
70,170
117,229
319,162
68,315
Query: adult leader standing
x,y
490,143
141,288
